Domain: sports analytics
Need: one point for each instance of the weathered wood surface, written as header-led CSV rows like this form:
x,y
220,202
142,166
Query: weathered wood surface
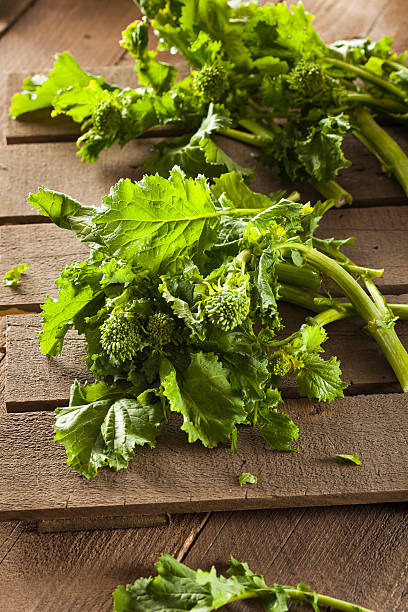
x,y
136,521
86,566
380,233
37,484
46,384
358,554
10,11
56,166
24,167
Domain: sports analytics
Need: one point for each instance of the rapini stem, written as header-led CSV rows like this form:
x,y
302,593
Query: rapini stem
x,y
387,151
377,323
315,302
389,105
333,191
366,75
306,597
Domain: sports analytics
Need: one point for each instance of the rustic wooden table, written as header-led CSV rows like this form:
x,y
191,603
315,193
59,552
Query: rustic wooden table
x,y
358,553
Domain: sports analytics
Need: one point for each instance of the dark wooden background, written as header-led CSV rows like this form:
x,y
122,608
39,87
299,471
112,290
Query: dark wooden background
x,y
358,553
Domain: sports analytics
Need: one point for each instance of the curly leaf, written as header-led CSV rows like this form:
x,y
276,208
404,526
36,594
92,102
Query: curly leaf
x,y
205,398
104,429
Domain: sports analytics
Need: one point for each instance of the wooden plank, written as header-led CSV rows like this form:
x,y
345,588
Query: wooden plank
x,y
10,11
36,483
338,551
23,168
46,384
86,565
136,521
380,233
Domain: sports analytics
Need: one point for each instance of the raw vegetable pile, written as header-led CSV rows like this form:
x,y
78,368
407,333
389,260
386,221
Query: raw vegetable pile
x,y
177,587
260,75
178,305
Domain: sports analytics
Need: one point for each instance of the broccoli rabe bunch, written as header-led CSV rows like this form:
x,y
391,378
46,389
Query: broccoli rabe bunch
x,y
260,75
182,315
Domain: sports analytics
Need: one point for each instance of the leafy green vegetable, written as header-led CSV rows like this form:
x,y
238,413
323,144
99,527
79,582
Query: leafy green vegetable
x,y
177,587
170,301
258,74
354,458
12,276
247,478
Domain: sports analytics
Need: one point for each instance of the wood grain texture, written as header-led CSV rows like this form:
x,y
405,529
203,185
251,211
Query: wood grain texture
x,y
359,554
24,167
36,483
380,235
136,521
78,571
46,384
10,11
55,165
341,19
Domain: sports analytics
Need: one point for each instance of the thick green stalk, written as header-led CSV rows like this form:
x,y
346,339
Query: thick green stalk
x,y
298,276
366,75
325,600
396,65
306,597
388,152
389,105
333,191
315,302
251,139
385,337
259,129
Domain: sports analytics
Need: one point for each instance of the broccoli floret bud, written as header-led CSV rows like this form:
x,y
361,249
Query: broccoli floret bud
x,y
280,364
227,308
307,78
120,336
160,328
107,118
211,82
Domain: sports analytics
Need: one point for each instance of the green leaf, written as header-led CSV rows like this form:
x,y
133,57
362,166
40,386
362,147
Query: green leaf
x,y
320,151
354,458
12,276
155,74
155,222
203,395
247,478
102,427
63,210
78,286
196,154
151,224
320,379
231,186
58,316
278,429
40,90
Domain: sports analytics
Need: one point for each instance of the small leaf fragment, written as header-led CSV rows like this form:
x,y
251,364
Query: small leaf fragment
x,y
247,478
354,458
12,277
